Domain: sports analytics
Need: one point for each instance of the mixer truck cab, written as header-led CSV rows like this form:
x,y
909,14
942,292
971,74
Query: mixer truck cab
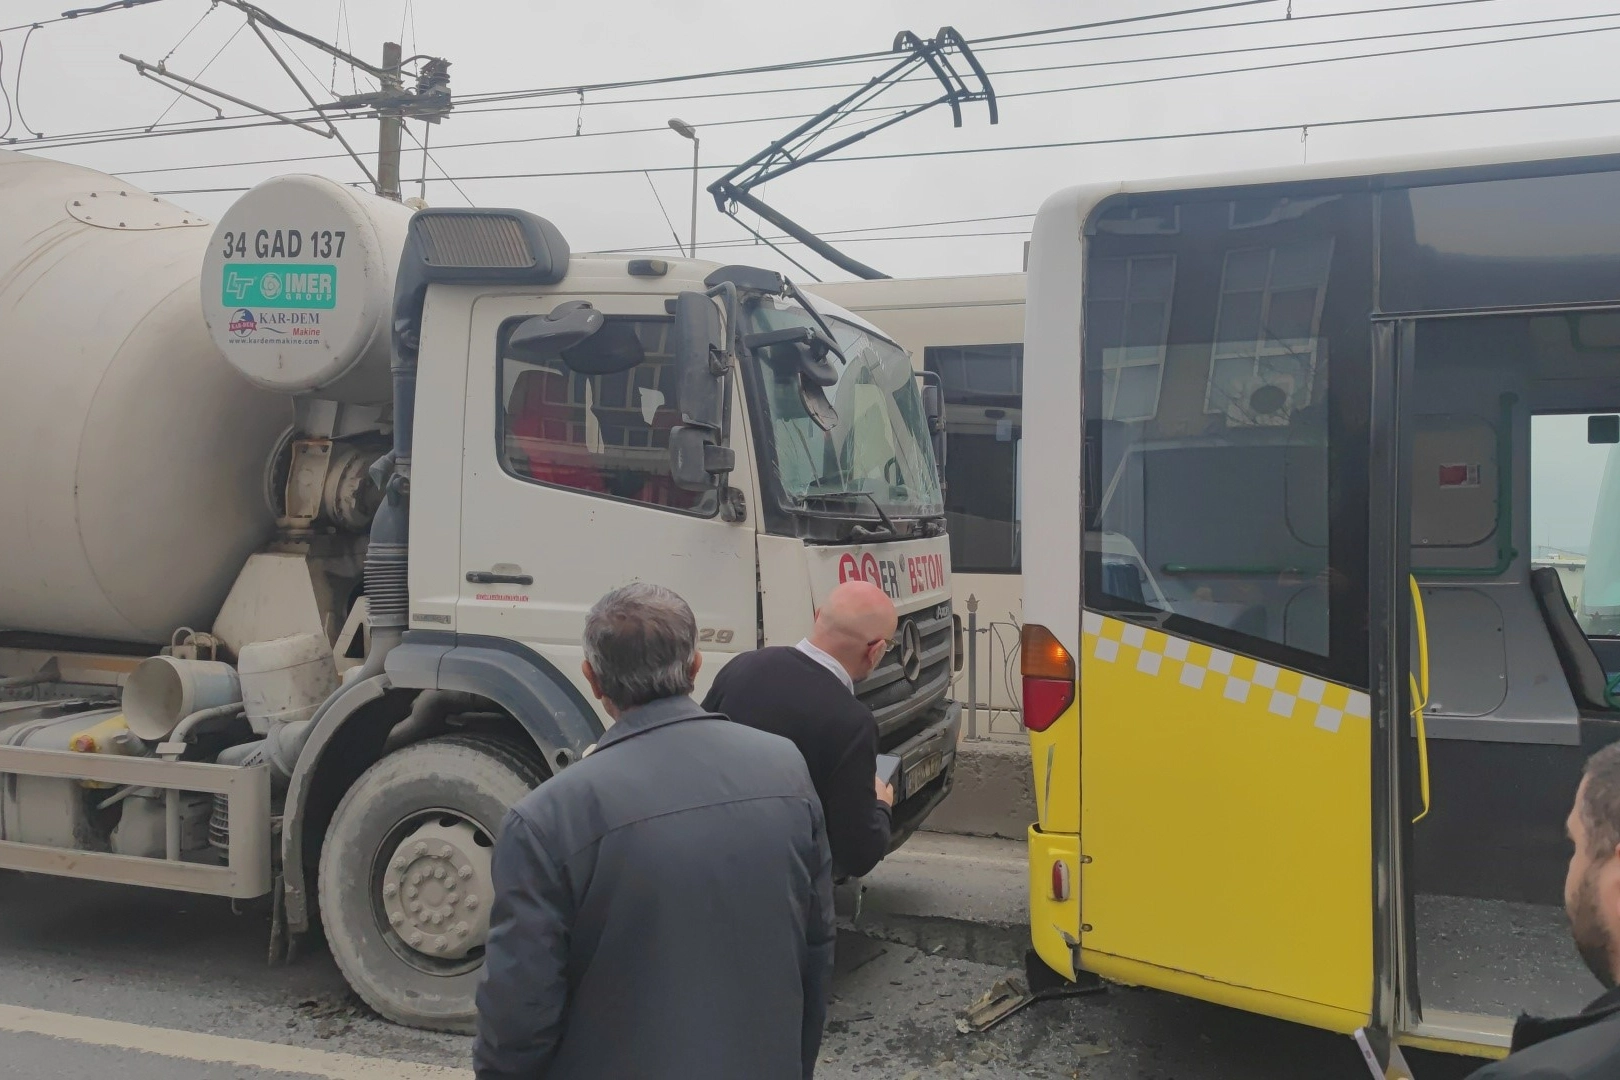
x,y
325,628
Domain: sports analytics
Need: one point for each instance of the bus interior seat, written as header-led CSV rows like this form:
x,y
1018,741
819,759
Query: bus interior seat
x,y
1587,679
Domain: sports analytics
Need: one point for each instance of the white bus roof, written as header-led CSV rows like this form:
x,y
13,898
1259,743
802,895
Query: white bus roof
x,y
1088,195
889,294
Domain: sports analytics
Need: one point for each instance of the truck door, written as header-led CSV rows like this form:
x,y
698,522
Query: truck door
x,y
567,494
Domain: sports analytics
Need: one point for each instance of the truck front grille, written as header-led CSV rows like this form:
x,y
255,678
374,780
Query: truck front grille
x,y
899,703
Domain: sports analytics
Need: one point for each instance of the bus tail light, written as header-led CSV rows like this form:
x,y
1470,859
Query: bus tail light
x,y
1049,674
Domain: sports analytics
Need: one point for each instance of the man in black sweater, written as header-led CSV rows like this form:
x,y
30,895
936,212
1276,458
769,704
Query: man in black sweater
x,y
807,694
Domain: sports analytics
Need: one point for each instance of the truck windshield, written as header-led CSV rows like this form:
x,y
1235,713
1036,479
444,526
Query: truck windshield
x,y
876,451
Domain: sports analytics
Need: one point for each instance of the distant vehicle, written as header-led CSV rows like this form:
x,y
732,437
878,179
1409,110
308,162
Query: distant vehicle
x,y
1322,773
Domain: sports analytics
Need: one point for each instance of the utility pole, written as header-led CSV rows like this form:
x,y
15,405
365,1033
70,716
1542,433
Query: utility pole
x,y
389,123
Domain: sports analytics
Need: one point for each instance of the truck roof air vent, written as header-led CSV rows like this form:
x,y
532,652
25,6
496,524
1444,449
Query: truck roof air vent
x,y
489,241
495,247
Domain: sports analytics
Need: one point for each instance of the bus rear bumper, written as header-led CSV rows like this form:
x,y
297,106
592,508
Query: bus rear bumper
x,y
1054,922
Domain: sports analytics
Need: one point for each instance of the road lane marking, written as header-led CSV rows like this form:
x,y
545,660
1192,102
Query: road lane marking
x,y
218,1049
997,861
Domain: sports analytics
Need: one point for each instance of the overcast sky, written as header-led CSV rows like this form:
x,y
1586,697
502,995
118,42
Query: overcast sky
x,y
72,81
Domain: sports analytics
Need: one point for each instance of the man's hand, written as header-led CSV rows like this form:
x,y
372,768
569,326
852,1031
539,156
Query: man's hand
x,y
885,792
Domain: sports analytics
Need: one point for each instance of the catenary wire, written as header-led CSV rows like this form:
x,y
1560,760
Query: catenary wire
x,y
519,140
184,127
1064,144
789,66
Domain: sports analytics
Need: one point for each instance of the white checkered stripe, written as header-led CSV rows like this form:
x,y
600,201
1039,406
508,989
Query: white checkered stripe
x,y
1205,670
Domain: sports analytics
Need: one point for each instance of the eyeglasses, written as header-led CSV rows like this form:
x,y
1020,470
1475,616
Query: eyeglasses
x,y
889,643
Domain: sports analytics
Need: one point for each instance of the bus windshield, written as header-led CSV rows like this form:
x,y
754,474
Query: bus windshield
x,y
877,451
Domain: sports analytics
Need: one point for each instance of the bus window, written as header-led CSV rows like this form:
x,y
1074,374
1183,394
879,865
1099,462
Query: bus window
x,y
1569,478
1212,410
983,428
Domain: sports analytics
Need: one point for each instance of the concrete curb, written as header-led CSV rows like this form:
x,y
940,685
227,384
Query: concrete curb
x,y
956,896
991,793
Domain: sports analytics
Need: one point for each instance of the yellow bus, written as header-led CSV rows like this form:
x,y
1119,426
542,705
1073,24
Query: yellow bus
x,y
1344,413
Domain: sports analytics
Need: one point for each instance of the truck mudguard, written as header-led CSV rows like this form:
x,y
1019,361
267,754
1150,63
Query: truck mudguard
x,y
553,712
509,673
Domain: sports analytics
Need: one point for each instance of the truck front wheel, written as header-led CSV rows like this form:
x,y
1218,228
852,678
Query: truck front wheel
x,y
405,885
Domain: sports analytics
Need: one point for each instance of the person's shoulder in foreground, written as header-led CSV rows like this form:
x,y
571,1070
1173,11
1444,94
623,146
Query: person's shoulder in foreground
x,y
1581,1047
1585,1046
610,788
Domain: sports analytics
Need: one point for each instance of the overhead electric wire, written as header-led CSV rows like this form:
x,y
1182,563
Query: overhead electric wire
x,y
89,137
4,93
508,140
974,42
733,245
834,61
1171,77
1257,129
1290,20
1002,96
442,171
22,59
220,52
114,135
1179,76
187,35
660,200
1234,50
520,140
849,232
79,13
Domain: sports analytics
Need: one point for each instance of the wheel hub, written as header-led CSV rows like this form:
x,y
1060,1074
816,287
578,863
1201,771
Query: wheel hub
x,y
437,889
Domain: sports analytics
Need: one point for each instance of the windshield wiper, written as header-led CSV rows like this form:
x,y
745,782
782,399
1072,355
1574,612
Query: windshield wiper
x,y
804,302
888,525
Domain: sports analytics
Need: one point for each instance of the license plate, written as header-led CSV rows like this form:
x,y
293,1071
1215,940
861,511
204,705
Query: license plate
x,y
920,772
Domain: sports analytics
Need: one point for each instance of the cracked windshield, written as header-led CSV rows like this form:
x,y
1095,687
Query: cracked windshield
x,y
877,447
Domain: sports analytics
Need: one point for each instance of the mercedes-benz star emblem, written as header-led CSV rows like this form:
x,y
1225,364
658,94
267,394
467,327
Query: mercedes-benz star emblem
x,y
910,652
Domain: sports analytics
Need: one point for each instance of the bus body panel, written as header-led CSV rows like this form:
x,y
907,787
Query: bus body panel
x,y
1224,819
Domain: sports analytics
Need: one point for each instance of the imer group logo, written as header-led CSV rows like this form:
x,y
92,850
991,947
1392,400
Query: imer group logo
x,y
243,323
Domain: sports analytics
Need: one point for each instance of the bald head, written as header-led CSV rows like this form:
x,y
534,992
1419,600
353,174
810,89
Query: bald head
x,y
854,626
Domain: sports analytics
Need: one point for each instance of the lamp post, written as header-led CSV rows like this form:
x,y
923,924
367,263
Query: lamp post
x,y
687,131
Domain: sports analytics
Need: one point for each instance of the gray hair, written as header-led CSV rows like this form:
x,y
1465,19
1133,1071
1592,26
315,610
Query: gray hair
x,y
640,641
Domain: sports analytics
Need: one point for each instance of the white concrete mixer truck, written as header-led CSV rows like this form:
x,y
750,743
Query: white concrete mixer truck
x,y
292,579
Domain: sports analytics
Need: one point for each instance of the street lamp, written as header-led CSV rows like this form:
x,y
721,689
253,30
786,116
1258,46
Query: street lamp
x,y
687,131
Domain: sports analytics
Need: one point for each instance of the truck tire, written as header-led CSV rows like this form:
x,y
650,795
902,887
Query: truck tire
x,y
404,874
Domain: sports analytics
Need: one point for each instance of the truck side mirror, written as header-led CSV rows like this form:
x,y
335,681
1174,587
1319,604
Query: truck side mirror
x,y
696,455
700,361
544,337
933,400
933,408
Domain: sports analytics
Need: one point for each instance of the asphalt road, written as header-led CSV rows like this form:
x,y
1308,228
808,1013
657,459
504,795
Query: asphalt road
x,y
100,981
